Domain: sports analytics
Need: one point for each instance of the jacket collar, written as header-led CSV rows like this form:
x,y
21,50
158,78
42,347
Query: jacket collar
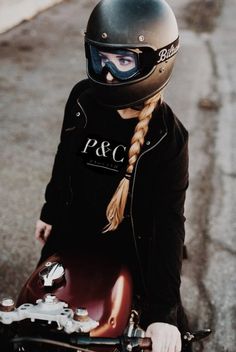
x,y
157,127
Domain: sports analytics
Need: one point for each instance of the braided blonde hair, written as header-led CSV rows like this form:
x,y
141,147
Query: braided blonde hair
x,y
116,207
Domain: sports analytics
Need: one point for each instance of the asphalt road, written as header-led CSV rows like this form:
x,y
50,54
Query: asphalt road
x,y
41,60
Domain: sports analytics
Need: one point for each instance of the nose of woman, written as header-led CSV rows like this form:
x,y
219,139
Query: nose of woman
x,y
109,77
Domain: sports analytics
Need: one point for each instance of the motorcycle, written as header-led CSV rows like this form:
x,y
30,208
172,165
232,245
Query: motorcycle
x,y
76,302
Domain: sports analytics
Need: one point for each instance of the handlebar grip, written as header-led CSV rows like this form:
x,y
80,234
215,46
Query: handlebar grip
x,y
145,343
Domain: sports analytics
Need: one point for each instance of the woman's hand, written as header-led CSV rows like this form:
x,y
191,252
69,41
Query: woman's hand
x,y
165,337
42,231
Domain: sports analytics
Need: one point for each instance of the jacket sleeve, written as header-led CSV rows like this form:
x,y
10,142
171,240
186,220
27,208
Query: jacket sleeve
x,y
57,190
166,247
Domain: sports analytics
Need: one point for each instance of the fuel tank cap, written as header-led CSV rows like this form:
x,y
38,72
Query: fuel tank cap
x,y
52,273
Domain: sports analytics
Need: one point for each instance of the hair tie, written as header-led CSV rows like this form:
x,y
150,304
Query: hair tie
x,y
128,175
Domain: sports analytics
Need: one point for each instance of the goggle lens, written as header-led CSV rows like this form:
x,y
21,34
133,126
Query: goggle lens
x,y
122,64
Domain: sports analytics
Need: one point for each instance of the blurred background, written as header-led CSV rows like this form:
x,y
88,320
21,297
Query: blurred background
x,y
41,58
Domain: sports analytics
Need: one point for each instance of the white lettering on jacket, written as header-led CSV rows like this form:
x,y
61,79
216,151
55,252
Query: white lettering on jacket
x,y
115,151
89,145
103,149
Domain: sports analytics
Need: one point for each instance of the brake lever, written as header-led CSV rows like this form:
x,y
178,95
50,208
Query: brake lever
x,y
196,335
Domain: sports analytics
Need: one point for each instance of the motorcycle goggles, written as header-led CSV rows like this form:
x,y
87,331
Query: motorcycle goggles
x,y
125,64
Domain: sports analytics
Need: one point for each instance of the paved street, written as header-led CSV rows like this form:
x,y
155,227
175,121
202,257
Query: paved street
x,y
41,60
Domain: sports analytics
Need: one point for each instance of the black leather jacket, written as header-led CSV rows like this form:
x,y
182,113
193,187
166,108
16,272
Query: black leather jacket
x,y
156,206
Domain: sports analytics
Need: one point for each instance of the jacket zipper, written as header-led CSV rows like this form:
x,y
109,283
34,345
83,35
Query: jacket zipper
x,y
131,212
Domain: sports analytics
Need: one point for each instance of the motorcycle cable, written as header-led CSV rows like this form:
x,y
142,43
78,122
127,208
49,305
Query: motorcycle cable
x,y
49,342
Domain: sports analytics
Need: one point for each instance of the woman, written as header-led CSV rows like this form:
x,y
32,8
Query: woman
x,y
121,170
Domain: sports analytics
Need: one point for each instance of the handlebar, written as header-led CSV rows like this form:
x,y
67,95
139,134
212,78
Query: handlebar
x,y
124,342
75,342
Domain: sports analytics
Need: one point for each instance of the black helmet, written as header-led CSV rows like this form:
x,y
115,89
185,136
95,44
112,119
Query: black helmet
x,y
146,31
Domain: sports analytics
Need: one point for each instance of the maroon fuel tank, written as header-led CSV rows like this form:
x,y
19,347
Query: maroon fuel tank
x,y
99,283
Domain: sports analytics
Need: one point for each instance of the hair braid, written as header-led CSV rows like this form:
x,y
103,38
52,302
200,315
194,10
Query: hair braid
x,y
116,207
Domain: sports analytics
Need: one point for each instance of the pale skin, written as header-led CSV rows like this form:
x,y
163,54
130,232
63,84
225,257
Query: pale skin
x,y
165,337
122,62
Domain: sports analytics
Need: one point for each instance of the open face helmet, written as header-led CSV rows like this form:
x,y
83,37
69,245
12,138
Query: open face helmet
x,y
136,42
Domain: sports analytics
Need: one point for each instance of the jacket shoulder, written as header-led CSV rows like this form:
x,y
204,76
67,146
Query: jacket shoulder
x,y
78,89
71,104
